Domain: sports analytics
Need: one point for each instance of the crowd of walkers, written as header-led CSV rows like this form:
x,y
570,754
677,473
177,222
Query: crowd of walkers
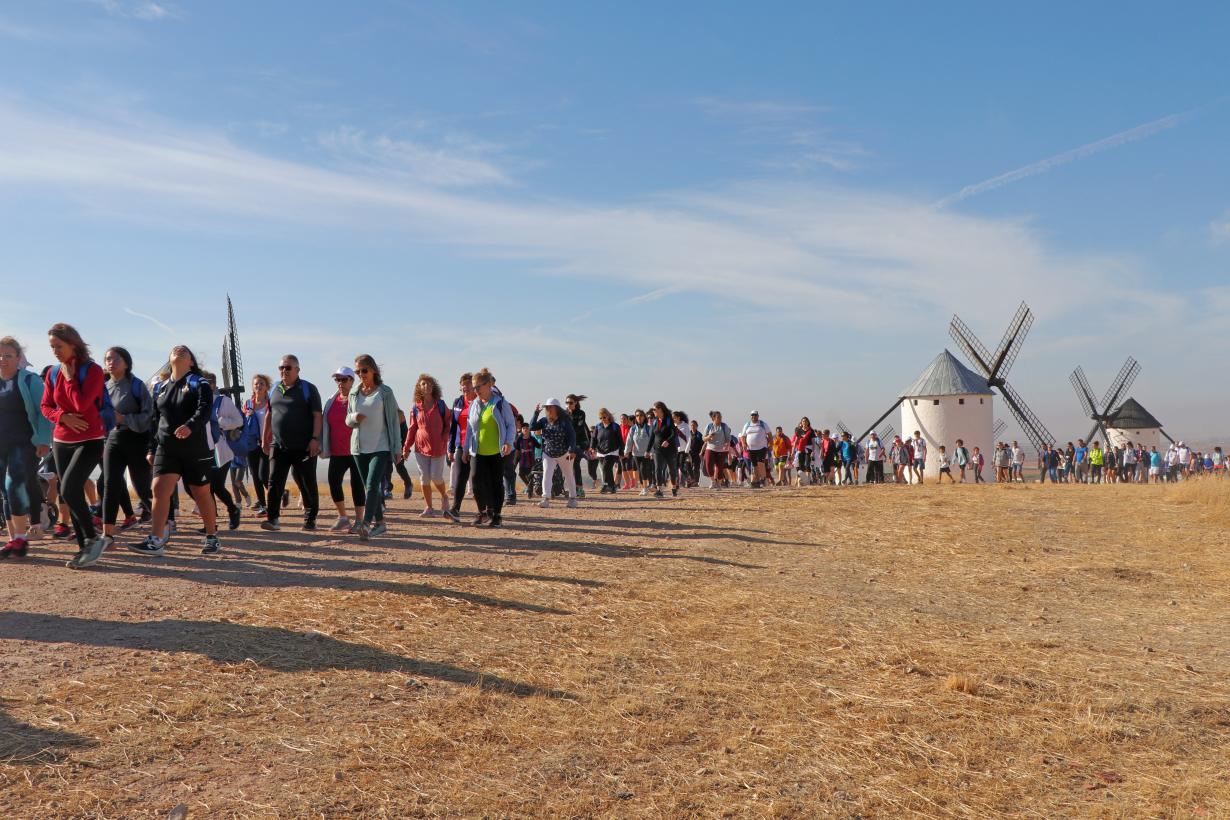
x,y
77,442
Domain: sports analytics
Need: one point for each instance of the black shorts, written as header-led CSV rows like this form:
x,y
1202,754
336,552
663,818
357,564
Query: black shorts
x,y
195,464
758,456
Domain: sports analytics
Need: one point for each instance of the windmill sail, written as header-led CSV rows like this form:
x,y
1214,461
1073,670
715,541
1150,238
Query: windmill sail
x,y
232,360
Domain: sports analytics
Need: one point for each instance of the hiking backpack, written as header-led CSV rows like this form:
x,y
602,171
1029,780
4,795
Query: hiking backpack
x,y
106,411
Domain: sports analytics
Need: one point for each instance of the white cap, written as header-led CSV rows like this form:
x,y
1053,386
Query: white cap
x,y
754,413
553,403
345,371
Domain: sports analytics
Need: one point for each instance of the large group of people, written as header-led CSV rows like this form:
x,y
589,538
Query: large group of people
x,y
79,441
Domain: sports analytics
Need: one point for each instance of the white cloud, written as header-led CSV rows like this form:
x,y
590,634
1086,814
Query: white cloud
x,y
779,248
459,163
138,9
1148,129
756,109
789,132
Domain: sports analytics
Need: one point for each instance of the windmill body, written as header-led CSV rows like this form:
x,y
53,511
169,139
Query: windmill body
x,y
948,401
1129,423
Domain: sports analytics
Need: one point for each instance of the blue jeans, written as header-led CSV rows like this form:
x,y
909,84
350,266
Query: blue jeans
x,y
16,464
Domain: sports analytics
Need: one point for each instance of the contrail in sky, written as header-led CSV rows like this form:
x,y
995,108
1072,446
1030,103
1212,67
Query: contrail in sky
x,y
148,318
1042,166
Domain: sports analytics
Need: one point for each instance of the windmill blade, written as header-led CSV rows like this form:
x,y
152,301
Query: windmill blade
x,y
1010,345
886,432
1119,387
872,426
1083,391
997,429
843,428
1093,431
975,351
1034,429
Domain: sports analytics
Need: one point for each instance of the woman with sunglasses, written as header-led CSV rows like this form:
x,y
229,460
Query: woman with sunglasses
x,y
608,443
335,446
489,440
372,416
180,449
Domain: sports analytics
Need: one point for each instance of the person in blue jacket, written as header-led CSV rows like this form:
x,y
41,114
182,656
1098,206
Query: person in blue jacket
x,y
25,437
492,431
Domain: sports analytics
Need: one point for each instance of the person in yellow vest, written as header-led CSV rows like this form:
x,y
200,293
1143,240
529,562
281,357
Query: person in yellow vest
x,y
1097,457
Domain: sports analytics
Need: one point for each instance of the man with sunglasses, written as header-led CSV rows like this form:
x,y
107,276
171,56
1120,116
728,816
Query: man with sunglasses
x,y
292,441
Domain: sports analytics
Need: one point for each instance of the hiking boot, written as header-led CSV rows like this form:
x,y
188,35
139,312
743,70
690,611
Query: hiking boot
x,y
341,525
212,545
92,552
17,548
270,524
152,545
232,516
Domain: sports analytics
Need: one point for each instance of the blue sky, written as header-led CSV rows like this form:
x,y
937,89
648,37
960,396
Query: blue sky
x,y
696,202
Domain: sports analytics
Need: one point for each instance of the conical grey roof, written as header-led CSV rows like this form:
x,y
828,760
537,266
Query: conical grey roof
x,y
1131,416
946,376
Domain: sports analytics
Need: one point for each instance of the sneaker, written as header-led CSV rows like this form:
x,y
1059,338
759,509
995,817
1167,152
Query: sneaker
x,y
572,502
61,531
363,532
658,494
388,495
580,492
17,548
496,521
452,515
545,503
128,523
212,545
270,524
286,498
152,545
145,516
341,524
91,553
377,529
260,511
171,527
428,513
354,527
479,520
71,563
408,491
95,510
674,491
309,524
232,516
96,520
644,491
510,502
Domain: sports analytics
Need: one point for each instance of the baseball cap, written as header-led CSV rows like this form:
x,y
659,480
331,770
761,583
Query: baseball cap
x,y
345,372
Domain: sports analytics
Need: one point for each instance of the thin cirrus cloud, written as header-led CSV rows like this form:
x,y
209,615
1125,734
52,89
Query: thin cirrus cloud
x,y
1140,132
138,9
784,249
459,163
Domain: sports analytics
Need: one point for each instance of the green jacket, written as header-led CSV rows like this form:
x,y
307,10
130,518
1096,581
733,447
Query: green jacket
x,y
31,388
392,427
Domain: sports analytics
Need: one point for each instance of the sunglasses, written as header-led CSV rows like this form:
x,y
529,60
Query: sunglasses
x,y
340,379
283,368
362,370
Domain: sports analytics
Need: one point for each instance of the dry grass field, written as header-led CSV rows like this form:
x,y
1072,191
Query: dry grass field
x,y
1031,651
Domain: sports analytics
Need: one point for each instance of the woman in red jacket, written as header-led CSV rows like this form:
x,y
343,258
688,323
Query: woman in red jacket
x,y
73,403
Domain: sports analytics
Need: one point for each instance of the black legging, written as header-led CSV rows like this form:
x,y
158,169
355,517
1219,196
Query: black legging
x,y
664,464
217,486
489,484
608,460
74,464
258,466
338,467
124,451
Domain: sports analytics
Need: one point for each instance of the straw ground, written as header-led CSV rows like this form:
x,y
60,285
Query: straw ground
x,y
874,652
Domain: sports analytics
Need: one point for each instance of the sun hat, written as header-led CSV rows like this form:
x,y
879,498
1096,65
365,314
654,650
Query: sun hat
x,y
345,372
553,403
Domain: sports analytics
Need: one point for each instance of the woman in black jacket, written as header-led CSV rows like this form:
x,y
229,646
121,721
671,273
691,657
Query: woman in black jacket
x,y
572,402
183,411
608,443
664,444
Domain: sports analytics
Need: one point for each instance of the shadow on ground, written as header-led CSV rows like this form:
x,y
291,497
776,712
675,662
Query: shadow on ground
x,y
281,650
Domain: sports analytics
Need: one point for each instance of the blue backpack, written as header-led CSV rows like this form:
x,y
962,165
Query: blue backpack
x,y
106,412
249,437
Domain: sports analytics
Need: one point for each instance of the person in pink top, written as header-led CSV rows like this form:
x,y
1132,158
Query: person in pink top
x,y
429,425
335,446
73,399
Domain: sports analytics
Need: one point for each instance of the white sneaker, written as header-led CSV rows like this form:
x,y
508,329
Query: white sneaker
x,y
644,491
545,503
572,502
342,524
428,513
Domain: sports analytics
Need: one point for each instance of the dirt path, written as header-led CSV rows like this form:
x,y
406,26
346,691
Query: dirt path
x,y
780,654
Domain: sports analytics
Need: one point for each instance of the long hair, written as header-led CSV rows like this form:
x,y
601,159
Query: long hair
x,y
573,397
123,354
364,360
69,335
661,405
432,385
196,367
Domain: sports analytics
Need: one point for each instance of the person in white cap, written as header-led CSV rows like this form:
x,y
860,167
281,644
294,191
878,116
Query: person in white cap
x,y
755,440
559,444
335,446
